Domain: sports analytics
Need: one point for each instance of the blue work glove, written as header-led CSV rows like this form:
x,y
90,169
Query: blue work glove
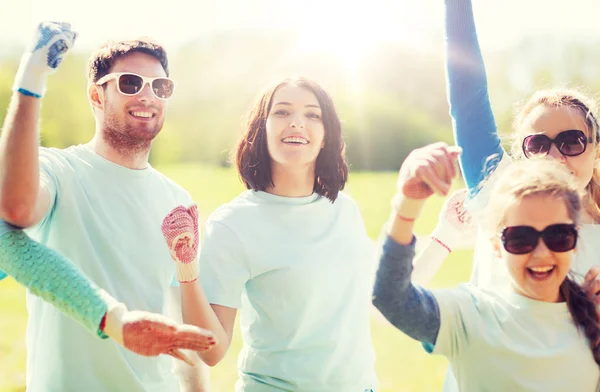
x,y
52,40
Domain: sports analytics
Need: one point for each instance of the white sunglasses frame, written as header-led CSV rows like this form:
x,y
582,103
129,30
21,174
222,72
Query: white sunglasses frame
x,y
145,81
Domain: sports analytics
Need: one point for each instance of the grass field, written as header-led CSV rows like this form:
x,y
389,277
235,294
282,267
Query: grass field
x,y
402,365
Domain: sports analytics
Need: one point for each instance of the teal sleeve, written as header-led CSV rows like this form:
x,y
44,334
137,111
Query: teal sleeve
x,y
54,278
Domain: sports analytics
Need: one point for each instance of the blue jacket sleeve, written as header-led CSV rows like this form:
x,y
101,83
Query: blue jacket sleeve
x,y
411,309
472,118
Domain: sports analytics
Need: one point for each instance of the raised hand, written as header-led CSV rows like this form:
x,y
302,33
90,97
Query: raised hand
x,y
591,284
52,40
428,170
151,334
180,229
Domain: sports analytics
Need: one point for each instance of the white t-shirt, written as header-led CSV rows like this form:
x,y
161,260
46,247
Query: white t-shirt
x,y
107,220
490,273
300,270
512,343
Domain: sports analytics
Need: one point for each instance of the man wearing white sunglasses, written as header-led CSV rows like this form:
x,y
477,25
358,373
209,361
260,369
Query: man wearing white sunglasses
x,y
100,204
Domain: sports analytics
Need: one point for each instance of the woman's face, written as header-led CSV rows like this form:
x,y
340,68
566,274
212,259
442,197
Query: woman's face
x,y
551,121
294,128
538,274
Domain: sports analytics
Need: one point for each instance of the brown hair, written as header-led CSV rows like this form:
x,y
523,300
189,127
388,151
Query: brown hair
x,y
586,107
540,177
103,59
252,158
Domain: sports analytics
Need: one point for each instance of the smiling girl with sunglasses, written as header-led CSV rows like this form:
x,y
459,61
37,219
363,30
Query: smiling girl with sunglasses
x,y
556,124
544,334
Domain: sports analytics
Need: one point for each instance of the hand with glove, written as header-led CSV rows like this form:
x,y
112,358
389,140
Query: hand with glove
x,y
180,229
426,171
455,230
151,334
52,40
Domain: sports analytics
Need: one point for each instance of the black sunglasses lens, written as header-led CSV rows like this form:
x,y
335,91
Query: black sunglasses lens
x,y
560,238
130,84
520,240
163,87
571,143
535,145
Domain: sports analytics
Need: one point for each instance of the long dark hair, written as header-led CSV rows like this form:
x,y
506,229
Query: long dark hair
x,y
251,155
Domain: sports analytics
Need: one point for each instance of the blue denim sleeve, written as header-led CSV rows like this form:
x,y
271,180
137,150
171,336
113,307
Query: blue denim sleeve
x,y
473,122
412,309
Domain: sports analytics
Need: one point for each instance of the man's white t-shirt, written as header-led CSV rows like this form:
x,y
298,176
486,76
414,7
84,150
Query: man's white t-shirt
x,y
107,220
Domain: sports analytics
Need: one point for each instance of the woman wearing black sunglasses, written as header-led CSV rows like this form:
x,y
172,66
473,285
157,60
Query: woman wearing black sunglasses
x,y
544,333
557,124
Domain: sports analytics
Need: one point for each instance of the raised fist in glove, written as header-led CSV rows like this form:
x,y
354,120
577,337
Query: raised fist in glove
x,y
52,40
180,229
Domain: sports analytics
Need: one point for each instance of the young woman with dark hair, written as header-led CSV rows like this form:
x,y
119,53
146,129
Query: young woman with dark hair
x,y
291,254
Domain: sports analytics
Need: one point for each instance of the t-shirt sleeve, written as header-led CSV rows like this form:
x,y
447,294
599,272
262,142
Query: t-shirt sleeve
x,y
224,268
459,319
51,165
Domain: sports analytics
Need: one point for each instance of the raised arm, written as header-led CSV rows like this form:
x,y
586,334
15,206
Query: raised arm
x,y
412,309
473,122
22,201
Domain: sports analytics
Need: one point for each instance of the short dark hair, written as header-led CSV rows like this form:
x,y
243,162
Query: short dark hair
x,y
103,59
252,158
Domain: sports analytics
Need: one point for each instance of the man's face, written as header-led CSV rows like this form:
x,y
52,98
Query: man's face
x,y
133,120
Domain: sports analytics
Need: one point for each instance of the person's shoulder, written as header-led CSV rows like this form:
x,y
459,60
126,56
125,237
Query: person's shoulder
x,y
171,186
239,206
344,202
62,160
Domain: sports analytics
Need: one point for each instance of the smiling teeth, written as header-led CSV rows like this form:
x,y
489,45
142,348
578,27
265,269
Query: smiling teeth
x,y
295,140
541,269
142,114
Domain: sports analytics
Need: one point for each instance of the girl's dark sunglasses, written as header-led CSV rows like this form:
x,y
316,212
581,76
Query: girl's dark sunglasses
x,y
569,143
520,240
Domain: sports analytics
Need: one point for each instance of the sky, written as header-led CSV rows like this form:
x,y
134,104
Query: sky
x,y
336,24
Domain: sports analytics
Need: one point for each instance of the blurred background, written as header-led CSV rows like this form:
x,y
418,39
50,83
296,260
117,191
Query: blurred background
x,y
381,60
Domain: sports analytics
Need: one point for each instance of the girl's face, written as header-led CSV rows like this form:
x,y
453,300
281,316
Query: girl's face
x,y
551,121
539,273
295,131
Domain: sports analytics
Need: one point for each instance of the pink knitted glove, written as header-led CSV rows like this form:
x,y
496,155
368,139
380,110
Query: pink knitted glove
x,y
180,229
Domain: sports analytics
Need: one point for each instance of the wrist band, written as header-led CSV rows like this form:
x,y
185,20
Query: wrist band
x,y
28,93
441,243
405,218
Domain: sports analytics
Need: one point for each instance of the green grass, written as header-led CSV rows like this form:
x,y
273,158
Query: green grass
x,y
402,365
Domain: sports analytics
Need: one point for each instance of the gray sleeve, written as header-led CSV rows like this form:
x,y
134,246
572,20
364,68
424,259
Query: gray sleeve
x,y
412,309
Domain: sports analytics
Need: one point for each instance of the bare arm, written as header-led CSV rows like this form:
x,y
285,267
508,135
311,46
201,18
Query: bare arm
x,y
23,201
218,319
192,378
